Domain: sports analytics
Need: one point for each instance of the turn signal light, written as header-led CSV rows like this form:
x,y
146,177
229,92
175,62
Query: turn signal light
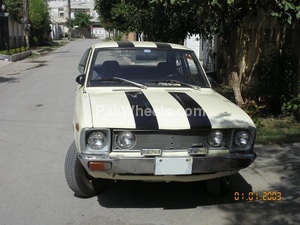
x,y
99,165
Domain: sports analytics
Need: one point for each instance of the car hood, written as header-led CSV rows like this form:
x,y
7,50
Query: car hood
x,y
160,108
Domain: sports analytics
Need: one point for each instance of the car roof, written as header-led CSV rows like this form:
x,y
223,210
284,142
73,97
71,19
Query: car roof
x,y
138,44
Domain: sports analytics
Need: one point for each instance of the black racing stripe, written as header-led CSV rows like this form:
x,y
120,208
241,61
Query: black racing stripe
x,y
195,114
144,115
163,45
125,44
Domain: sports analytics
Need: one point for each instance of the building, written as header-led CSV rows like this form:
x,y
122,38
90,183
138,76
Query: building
x,y
59,13
205,50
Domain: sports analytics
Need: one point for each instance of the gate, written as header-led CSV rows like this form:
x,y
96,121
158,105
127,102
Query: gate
x,y
4,33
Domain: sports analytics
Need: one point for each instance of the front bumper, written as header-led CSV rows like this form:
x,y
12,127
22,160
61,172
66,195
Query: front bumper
x,y
144,168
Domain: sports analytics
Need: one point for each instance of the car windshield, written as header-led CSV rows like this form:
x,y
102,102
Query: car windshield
x,y
146,66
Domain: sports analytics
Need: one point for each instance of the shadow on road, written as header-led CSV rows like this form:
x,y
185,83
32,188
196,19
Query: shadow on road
x,y
8,80
136,194
278,168
58,52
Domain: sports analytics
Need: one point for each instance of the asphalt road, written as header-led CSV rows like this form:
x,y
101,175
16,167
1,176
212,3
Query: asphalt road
x,y
36,108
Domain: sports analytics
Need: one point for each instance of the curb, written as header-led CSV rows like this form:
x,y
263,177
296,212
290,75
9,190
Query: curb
x,y
15,57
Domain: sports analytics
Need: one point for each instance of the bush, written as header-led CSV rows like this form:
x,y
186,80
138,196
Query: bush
x,y
292,107
34,41
118,37
277,130
226,91
255,108
13,51
274,79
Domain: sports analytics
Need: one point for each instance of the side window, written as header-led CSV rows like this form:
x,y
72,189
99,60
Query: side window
x,y
179,64
191,64
83,60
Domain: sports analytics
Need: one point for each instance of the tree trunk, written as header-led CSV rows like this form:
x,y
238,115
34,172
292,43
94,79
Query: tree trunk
x,y
235,83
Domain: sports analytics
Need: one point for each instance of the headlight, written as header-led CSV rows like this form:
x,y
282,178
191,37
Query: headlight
x,y
97,140
215,138
242,138
125,139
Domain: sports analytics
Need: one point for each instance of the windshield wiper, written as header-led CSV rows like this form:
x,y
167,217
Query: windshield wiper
x,y
180,82
130,82
124,81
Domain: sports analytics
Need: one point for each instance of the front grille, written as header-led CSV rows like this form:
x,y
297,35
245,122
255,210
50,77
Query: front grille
x,y
165,140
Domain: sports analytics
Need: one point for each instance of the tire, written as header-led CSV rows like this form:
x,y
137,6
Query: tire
x,y
219,186
77,178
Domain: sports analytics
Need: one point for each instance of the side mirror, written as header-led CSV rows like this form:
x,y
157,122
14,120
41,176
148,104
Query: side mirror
x,y
80,79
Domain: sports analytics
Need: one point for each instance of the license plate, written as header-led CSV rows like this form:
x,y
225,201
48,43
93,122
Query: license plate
x,y
173,166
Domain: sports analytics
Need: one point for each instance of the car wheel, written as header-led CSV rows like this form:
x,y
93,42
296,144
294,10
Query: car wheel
x,y
219,186
77,178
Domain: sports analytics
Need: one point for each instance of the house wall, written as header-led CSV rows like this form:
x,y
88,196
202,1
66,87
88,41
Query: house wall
x,y
204,50
254,39
99,32
59,13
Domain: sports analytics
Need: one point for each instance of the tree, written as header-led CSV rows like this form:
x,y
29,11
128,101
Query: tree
x,y
173,20
15,9
82,23
230,21
159,21
71,23
82,20
40,20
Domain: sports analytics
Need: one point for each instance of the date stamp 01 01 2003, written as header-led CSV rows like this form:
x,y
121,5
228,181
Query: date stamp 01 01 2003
x,y
251,196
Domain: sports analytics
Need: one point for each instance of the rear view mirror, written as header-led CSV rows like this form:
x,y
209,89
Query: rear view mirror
x,y
148,56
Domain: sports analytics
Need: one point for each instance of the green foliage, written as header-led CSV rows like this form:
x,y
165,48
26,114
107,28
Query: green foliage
x,y
118,37
173,20
254,108
292,107
71,23
39,20
286,10
13,51
277,130
82,20
226,91
157,20
274,78
15,9
38,14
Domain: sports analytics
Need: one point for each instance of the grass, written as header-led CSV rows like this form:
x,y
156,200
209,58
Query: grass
x,y
48,47
13,51
44,50
277,130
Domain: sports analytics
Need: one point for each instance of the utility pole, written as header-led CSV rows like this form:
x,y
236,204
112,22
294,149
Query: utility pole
x,y
69,11
26,22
